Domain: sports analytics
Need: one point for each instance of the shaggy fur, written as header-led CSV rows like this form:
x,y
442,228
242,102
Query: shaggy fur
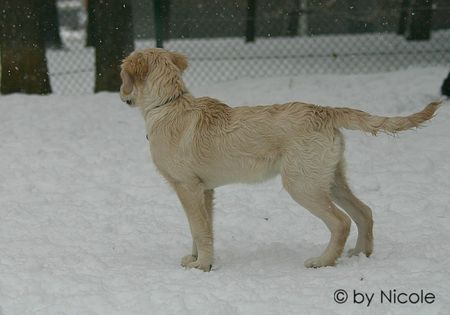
x,y
198,144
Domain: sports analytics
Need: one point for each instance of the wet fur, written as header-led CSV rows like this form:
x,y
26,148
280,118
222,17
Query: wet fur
x,y
199,144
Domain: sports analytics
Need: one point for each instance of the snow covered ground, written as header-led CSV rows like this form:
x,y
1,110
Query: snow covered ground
x,y
87,226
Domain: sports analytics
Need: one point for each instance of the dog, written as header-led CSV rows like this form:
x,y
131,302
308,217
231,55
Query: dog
x,y
198,144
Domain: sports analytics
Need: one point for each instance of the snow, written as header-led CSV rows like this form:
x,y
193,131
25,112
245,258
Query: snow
x,y
89,227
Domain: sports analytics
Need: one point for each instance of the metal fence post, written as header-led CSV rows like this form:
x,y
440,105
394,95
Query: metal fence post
x,y
157,6
251,20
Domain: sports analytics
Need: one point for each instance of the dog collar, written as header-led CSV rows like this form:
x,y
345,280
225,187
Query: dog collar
x,y
170,100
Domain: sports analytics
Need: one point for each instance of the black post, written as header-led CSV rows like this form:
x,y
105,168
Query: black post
x,y
91,24
403,19
159,34
293,19
420,21
251,20
165,7
114,40
48,14
23,64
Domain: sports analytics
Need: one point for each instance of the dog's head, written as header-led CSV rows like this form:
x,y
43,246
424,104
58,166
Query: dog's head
x,y
151,77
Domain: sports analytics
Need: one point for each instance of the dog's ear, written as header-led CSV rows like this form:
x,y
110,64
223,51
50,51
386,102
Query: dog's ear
x,y
179,60
127,81
140,65
134,69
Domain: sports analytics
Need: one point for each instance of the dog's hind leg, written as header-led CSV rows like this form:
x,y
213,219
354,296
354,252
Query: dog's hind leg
x,y
209,204
358,211
319,203
307,171
192,197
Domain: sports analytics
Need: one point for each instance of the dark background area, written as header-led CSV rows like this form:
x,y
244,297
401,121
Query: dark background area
x,y
76,46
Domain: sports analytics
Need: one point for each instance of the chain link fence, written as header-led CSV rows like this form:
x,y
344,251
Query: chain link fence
x,y
291,38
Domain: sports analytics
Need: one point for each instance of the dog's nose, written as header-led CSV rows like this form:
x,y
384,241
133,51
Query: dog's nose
x,y
129,102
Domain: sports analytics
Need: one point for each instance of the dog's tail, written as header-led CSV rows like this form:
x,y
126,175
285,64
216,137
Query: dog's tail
x,y
354,119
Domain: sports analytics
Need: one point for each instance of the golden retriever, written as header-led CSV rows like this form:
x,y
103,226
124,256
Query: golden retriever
x,y
199,144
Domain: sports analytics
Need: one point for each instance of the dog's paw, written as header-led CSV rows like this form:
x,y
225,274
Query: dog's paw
x,y
205,266
317,262
356,251
186,260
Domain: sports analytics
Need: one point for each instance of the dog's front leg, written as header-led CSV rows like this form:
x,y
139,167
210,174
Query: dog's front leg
x,y
209,204
186,260
192,197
